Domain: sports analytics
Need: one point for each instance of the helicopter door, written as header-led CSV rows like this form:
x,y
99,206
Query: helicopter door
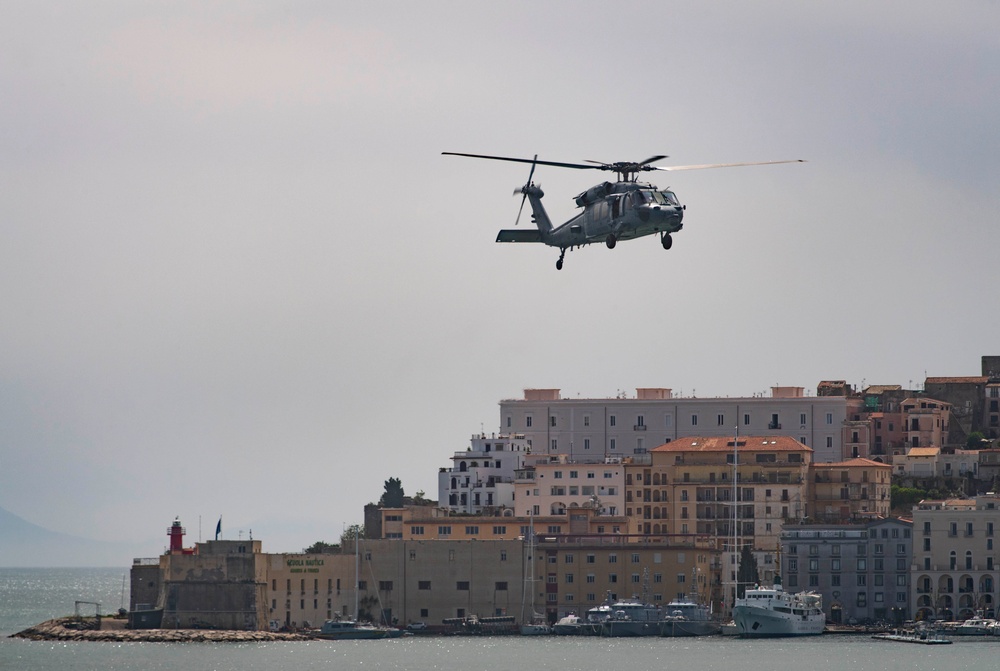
x,y
616,203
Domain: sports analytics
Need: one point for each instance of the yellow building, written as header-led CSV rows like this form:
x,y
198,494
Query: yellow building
x,y
575,574
418,524
850,490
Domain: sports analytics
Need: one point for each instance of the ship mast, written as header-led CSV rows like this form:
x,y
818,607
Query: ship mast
x,y
736,538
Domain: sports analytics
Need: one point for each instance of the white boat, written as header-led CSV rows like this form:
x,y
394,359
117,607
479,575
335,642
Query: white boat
x,y
976,626
766,612
574,625
685,617
921,636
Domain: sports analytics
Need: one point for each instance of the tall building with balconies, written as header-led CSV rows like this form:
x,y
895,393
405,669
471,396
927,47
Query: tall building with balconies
x,y
953,574
481,478
861,569
855,489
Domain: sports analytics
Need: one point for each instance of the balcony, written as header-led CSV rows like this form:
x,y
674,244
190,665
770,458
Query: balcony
x,y
639,427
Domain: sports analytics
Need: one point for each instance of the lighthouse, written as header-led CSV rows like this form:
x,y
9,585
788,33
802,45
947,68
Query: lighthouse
x,y
175,532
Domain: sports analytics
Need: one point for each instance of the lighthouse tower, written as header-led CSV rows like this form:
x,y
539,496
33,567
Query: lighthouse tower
x,y
176,534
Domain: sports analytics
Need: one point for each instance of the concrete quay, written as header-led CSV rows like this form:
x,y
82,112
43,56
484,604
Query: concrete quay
x,y
57,630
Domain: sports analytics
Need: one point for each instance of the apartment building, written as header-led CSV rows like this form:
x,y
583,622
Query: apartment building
x,y
481,477
954,558
575,574
591,430
422,523
862,570
850,490
553,485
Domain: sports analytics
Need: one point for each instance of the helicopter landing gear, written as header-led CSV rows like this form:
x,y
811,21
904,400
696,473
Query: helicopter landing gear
x,y
611,241
559,263
667,241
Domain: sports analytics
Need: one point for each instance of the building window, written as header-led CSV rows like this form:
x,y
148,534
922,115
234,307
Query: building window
x,y
552,421
462,585
500,586
444,531
527,421
694,420
472,531
423,584
720,419
612,420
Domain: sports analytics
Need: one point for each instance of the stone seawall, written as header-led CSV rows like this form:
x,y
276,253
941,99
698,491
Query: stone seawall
x,y
56,630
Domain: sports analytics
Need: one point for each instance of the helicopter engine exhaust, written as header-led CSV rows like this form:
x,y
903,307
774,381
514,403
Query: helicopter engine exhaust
x,y
594,194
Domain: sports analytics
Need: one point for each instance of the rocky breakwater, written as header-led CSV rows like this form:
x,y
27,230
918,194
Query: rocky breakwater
x,y
67,629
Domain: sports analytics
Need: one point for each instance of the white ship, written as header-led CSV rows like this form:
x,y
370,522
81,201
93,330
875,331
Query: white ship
x,y
773,612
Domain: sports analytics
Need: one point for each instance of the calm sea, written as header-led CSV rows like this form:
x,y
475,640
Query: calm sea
x,y
29,596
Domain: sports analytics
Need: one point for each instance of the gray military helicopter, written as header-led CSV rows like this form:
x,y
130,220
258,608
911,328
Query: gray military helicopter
x,y
624,210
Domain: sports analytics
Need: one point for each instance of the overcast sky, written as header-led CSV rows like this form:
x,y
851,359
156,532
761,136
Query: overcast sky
x,y
240,279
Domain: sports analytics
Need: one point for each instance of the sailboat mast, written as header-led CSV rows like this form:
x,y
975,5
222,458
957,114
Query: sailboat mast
x,y
736,567
357,575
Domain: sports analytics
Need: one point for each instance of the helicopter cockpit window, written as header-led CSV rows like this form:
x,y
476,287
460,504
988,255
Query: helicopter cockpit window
x,y
669,198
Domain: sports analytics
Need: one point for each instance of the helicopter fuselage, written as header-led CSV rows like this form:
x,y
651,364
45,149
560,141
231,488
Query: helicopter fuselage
x,y
611,212
626,210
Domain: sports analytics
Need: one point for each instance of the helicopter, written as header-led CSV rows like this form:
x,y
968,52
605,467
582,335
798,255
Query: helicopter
x,y
624,210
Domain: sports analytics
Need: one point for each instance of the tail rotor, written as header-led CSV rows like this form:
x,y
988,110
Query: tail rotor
x,y
524,190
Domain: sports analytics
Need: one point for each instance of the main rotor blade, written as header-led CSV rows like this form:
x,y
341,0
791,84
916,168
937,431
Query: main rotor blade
x,y
652,159
577,166
723,165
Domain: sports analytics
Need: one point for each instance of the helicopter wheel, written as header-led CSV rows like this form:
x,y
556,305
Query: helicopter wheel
x,y
667,241
559,263
611,241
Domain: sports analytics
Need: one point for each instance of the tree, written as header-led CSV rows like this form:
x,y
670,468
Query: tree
x,y
320,547
747,572
975,441
393,495
420,498
350,533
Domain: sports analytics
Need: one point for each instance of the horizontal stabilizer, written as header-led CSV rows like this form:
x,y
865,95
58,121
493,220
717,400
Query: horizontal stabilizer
x,y
526,235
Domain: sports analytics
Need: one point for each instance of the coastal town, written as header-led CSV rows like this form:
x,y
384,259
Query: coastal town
x,y
878,504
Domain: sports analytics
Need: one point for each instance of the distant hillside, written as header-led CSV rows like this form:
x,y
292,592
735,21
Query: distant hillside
x,y
25,544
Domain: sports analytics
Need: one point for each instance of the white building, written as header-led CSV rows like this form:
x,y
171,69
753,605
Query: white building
x,y
592,430
482,476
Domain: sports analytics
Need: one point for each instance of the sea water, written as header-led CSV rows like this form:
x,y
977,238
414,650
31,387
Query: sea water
x,y
30,596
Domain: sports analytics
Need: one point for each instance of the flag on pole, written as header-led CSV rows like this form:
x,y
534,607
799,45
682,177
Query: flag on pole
x,y
218,528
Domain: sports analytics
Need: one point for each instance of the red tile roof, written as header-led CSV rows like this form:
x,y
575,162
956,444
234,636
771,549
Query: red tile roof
x,y
725,444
